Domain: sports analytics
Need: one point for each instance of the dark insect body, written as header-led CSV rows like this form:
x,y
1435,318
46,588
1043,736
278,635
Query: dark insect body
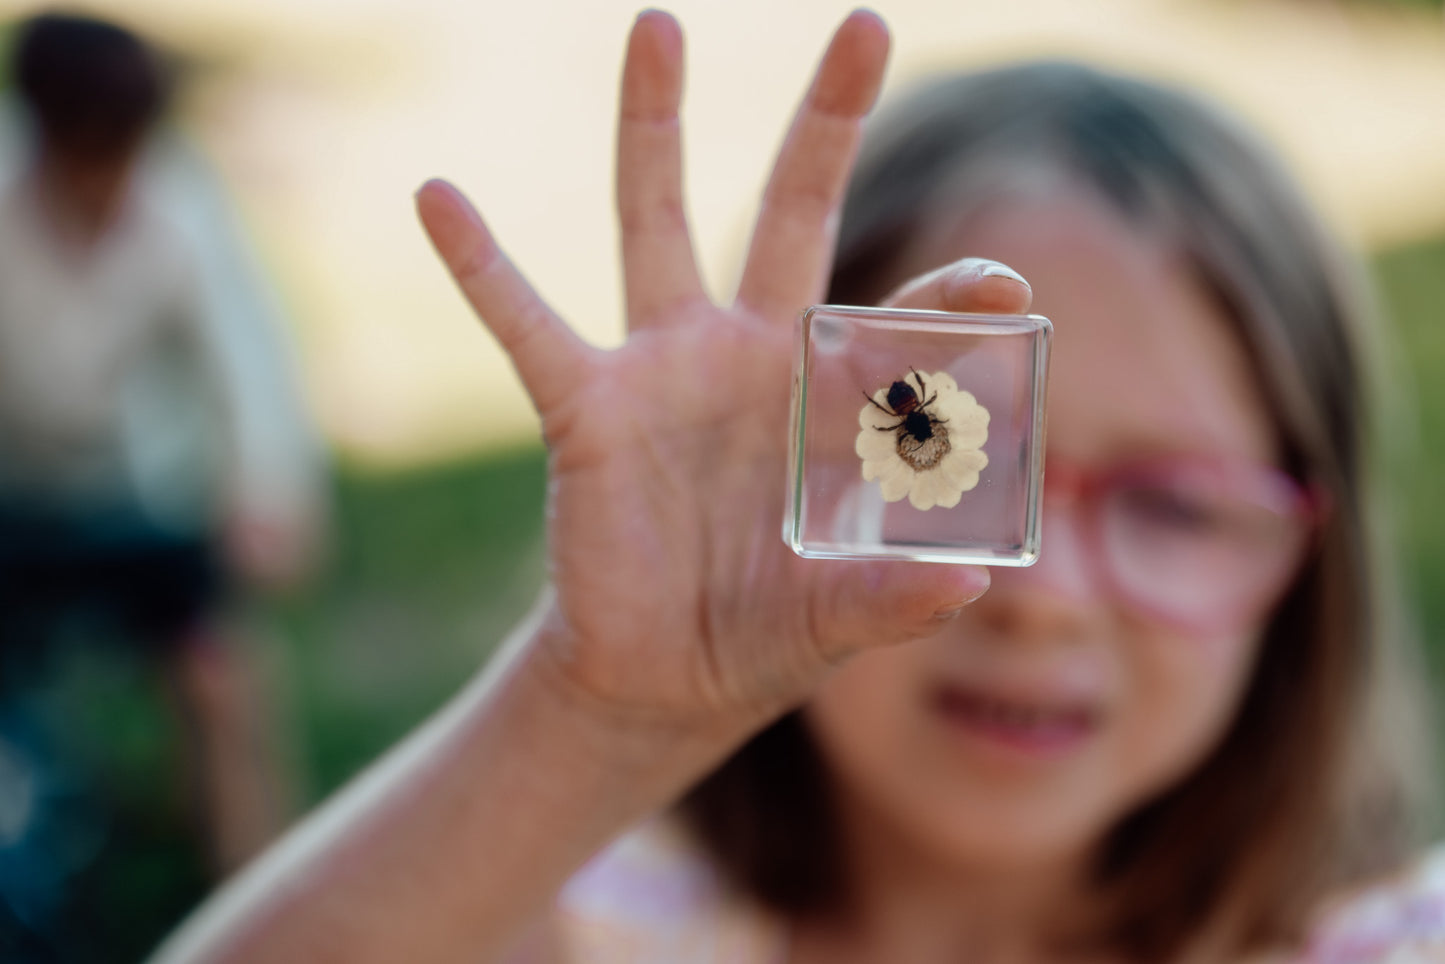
x,y
918,425
902,398
922,439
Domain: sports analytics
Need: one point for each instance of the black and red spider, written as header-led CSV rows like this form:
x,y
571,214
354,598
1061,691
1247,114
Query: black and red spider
x,y
915,421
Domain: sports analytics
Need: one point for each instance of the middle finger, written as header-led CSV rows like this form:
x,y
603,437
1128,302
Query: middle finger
x,y
658,266
792,243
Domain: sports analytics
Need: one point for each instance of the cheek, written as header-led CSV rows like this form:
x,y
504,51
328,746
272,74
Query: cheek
x,y
869,726
863,714
1182,693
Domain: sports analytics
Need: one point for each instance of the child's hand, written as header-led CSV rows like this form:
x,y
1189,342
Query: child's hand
x,y
676,598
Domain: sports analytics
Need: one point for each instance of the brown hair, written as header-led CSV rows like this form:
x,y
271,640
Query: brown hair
x,y
1308,792
92,88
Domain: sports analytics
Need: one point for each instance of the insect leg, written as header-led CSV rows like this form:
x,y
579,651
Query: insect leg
x,y
880,408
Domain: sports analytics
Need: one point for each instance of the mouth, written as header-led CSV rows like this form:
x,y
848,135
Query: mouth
x,y
1039,727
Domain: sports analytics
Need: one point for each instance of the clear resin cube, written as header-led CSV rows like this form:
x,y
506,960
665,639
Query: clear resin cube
x,y
917,435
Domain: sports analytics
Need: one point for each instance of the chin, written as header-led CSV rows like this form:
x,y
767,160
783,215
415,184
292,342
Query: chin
x,y
978,825
1014,835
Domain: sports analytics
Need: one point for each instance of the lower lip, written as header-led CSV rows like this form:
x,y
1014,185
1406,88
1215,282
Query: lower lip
x,y
1047,735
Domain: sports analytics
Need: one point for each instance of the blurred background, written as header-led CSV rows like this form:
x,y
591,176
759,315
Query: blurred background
x,y
302,128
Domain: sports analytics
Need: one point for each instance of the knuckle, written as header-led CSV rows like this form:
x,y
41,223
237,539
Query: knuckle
x,y
831,111
559,423
805,201
646,311
522,330
478,263
650,119
663,213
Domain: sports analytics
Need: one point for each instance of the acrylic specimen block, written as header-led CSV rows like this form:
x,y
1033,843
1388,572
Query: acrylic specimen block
x,y
917,435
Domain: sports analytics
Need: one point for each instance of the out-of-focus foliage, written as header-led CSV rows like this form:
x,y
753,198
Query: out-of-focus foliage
x,y
1418,4
1412,281
432,567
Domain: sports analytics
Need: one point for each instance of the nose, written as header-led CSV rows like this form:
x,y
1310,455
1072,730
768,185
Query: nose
x,y
1059,593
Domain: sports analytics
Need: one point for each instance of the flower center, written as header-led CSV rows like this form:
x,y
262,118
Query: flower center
x,y
922,454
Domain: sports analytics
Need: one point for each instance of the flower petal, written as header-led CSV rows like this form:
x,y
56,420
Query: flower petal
x,y
948,496
976,459
941,383
967,421
960,463
895,480
873,445
967,437
962,468
952,477
963,414
924,493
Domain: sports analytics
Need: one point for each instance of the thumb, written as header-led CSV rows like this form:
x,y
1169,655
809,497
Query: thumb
x,y
861,605
971,284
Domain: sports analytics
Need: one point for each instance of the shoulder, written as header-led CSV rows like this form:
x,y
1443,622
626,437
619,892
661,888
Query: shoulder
x,y
1398,921
652,897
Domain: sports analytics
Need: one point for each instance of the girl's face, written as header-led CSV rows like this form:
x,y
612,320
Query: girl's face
x,y
1054,705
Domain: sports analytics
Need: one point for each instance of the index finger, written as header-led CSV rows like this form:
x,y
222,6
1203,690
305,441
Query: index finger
x,y
547,354
792,245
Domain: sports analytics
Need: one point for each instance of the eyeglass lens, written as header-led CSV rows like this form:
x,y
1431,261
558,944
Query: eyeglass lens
x,y
1201,549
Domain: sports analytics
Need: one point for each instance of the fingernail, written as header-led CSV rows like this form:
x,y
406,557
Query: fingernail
x,y
952,610
995,269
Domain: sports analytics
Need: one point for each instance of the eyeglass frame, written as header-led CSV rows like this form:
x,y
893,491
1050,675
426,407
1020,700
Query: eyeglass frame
x,y
1273,489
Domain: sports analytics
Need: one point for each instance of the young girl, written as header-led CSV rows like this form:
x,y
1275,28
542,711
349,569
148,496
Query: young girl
x,y
1164,741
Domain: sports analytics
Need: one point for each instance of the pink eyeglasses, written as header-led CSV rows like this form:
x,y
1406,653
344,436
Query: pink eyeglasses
x,y
1196,543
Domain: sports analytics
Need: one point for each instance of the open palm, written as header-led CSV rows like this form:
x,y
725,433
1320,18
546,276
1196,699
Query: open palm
x,y
675,594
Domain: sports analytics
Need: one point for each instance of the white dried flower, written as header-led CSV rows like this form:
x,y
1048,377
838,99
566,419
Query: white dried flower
x,y
927,444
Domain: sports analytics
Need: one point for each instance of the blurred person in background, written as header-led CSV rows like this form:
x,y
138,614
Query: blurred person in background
x,y
1185,734
153,451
